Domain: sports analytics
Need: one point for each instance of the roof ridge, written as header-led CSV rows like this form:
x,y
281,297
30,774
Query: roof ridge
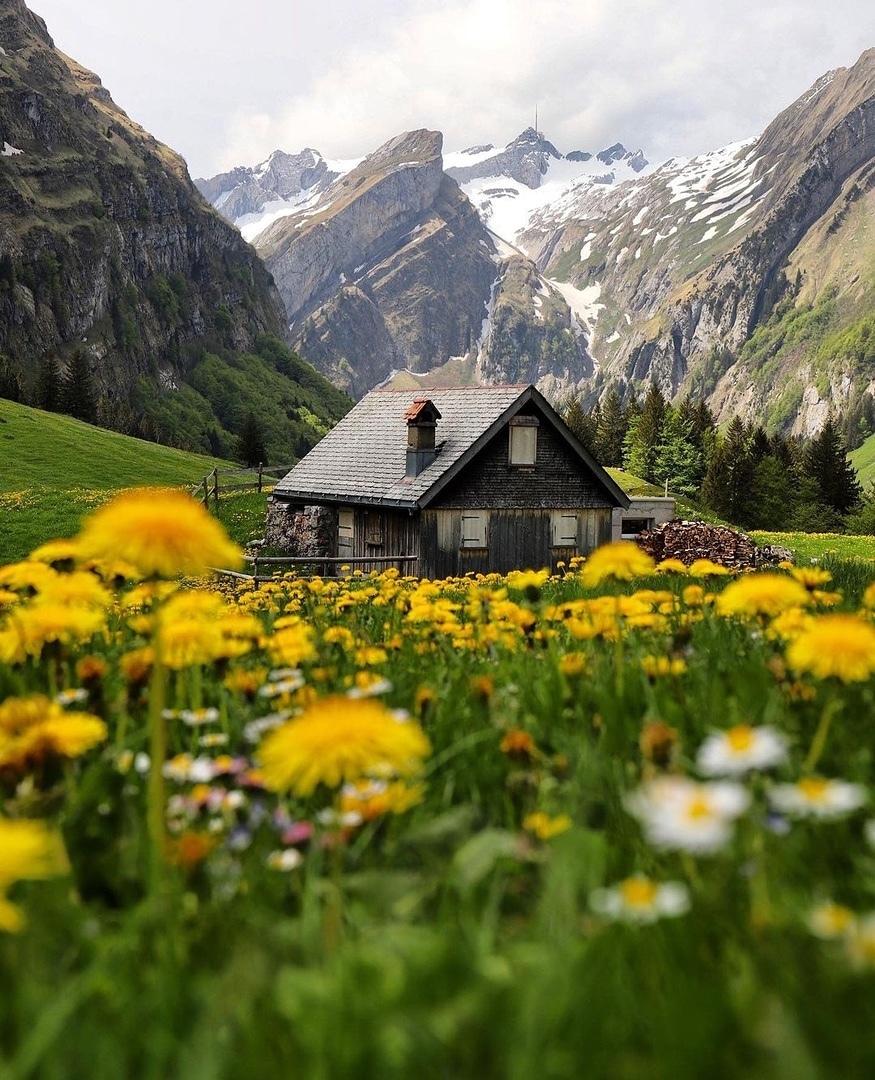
x,y
439,389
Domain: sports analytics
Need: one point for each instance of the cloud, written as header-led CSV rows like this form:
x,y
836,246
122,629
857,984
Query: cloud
x,y
229,84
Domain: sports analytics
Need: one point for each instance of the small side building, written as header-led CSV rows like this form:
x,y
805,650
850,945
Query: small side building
x,y
473,479
643,513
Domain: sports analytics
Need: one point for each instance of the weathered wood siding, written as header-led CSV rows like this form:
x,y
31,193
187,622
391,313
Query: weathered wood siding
x,y
521,502
379,532
557,480
517,539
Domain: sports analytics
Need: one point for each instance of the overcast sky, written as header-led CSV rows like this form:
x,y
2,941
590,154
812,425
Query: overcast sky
x,y
225,82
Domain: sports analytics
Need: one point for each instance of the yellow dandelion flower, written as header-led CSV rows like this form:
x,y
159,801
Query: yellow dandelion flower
x,y
707,568
835,645
789,624
28,851
656,667
762,594
56,552
27,576
40,623
160,531
34,728
338,740
545,827
812,577
671,566
621,561
573,664
370,799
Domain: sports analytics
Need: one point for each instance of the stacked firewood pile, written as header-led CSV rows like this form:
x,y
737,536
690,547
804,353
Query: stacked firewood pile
x,y
691,540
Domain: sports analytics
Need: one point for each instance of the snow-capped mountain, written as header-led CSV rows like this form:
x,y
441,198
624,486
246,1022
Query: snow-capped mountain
x,y
512,184
743,275
508,185
253,198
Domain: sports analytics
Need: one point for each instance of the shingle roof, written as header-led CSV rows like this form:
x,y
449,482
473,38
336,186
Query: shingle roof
x,y
363,459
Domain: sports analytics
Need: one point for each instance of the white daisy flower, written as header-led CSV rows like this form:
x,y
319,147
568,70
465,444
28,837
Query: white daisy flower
x,y
814,796
640,900
741,749
285,860
830,920
681,815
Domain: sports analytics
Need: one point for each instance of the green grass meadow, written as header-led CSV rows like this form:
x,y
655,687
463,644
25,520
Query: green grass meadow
x,y
54,470
378,827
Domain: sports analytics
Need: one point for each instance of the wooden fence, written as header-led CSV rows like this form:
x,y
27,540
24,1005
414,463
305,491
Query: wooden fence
x,y
214,482
319,565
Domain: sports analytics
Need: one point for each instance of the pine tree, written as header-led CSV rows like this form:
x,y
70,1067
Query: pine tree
x,y
727,484
77,389
678,460
640,446
250,443
825,461
611,430
49,385
583,424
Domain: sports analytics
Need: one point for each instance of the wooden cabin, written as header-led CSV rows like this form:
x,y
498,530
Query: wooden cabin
x,y
449,481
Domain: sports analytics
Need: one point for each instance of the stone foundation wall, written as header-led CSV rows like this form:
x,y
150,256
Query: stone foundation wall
x,y
311,531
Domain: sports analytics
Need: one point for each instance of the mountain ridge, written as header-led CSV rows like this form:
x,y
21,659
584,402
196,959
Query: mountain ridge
x,y
108,250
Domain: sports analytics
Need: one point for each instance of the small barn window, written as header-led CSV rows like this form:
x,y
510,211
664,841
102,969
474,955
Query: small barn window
x,y
523,445
345,533
563,528
633,527
475,524
373,529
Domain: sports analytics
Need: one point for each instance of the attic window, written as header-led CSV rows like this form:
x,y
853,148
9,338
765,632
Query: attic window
x,y
523,444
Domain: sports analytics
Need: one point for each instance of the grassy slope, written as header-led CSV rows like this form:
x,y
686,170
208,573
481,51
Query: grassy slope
x,y
40,449
863,460
54,469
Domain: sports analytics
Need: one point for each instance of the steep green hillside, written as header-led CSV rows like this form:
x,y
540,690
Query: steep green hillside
x,y
863,460
41,449
112,264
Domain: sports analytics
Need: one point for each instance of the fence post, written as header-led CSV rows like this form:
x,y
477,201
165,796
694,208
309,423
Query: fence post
x,y
255,569
206,499
260,467
216,486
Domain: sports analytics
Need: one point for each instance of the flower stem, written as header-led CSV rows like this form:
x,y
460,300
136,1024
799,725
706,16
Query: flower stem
x,y
818,743
157,754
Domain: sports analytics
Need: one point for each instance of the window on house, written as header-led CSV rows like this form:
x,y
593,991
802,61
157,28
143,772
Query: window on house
x,y
563,528
373,529
345,533
475,525
523,445
632,527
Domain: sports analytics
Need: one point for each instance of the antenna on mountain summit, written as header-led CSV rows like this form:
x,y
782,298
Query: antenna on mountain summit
x,y
536,119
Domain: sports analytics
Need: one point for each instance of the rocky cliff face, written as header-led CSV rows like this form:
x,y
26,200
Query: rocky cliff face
x,y
392,275
105,245
693,262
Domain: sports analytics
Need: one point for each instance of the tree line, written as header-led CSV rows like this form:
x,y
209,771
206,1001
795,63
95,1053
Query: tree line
x,y
742,474
71,391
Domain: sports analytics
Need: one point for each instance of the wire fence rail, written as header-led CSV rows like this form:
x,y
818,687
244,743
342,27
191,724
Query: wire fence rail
x,y
259,477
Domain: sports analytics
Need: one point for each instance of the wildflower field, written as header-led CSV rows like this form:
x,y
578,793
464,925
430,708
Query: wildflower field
x,y
613,823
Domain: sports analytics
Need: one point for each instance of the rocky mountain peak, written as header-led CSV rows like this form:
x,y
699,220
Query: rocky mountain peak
x,y
634,159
